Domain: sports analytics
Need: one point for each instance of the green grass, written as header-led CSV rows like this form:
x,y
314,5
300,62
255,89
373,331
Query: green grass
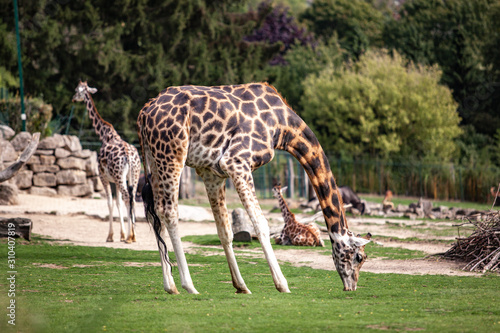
x,y
107,295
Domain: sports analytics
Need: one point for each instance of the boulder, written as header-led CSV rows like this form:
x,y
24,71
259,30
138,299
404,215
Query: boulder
x,y
62,153
34,159
37,168
91,165
45,191
47,159
24,179
44,152
22,227
21,141
44,179
7,151
97,185
75,190
71,177
71,163
71,143
6,132
51,142
8,194
85,153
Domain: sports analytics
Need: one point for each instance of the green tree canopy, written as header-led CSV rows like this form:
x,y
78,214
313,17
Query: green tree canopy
x,y
382,106
356,22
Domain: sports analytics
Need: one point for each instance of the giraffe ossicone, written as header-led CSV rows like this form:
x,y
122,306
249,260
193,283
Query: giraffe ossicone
x,y
119,163
228,132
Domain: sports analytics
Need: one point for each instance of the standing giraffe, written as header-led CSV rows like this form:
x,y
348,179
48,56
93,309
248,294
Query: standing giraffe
x,y
294,232
228,132
119,163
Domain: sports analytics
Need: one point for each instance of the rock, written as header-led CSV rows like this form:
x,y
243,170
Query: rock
x,y
72,143
241,226
22,227
6,132
426,206
44,152
45,191
62,153
24,179
411,216
71,177
34,159
44,179
91,165
86,153
47,159
71,163
75,190
394,214
402,208
37,168
97,185
7,151
50,142
420,212
8,194
21,141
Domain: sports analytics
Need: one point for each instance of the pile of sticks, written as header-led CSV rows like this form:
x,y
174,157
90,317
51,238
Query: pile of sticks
x,y
481,250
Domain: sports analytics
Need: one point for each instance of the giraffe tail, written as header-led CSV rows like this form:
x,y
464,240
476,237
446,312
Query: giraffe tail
x,y
153,219
130,189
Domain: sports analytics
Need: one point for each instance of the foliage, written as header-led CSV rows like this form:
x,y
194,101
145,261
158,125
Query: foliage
x,y
38,114
304,60
133,48
279,27
382,106
64,288
356,22
456,35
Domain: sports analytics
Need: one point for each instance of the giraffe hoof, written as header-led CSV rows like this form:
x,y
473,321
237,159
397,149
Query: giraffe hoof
x,y
109,240
246,291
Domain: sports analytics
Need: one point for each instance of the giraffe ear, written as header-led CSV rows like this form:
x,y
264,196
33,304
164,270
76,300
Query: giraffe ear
x,y
92,90
359,242
283,188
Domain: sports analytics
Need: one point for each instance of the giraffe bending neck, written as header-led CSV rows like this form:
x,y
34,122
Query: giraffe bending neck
x,y
303,145
288,216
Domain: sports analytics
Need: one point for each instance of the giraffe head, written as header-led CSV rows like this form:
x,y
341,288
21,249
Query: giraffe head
x,y
278,190
81,90
348,256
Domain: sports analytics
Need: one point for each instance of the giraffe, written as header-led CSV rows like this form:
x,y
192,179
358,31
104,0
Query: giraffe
x,y
119,163
294,232
228,132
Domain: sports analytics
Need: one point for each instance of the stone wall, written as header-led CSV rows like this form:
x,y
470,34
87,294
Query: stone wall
x,y
59,166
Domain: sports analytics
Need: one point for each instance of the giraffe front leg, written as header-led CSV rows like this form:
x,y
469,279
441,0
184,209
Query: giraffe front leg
x,y
245,188
109,198
216,192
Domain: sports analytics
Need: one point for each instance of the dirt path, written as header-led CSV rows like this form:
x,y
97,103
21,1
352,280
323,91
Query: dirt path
x,y
80,222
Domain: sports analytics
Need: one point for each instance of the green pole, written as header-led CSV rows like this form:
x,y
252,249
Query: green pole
x,y
20,65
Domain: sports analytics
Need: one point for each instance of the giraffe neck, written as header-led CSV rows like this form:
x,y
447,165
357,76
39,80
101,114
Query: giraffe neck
x,y
103,129
288,216
298,139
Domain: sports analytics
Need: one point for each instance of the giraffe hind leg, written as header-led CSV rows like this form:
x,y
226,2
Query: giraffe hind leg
x,y
109,198
216,192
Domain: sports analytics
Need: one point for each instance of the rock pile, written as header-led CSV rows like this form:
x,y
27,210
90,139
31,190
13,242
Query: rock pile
x,y
58,167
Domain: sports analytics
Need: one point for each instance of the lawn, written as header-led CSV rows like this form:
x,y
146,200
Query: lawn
x,y
91,289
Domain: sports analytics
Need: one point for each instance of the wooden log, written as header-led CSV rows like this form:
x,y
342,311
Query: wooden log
x,y
242,228
22,227
25,156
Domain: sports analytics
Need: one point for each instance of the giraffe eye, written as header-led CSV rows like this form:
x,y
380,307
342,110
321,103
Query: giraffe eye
x,y
359,257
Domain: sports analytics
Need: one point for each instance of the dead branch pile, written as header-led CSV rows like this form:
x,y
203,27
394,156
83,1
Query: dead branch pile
x,y
481,250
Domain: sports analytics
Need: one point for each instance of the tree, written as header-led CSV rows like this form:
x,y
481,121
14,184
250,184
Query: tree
x,y
382,106
357,23
455,35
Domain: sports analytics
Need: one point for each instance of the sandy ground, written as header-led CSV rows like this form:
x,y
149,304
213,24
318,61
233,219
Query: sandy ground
x,y
83,222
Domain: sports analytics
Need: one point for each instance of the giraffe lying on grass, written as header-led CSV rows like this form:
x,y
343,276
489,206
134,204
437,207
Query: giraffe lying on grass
x,y
294,232
228,132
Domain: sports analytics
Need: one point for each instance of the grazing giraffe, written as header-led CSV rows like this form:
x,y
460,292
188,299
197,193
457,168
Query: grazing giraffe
x,y
119,163
294,232
228,132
